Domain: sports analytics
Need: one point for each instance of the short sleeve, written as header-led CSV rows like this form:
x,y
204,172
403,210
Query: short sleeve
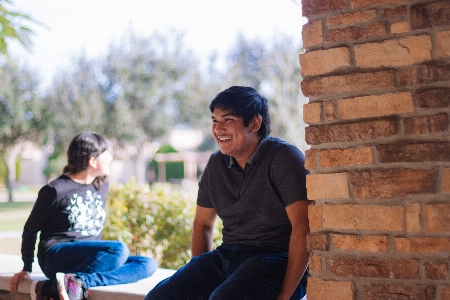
x,y
288,174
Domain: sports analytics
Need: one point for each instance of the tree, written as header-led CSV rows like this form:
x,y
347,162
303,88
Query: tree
x,y
283,89
21,116
155,80
272,68
75,104
134,95
75,100
12,28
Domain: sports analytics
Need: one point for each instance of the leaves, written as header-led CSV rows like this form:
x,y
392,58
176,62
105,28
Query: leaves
x,y
21,109
272,68
156,221
12,28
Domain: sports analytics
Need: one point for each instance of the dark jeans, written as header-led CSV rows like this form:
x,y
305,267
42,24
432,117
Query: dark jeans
x,y
229,272
98,263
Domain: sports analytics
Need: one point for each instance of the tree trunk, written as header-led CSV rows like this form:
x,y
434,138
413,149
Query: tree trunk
x,y
10,188
9,157
6,179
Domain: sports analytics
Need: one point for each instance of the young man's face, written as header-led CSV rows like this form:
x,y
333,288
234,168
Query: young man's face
x,y
232,137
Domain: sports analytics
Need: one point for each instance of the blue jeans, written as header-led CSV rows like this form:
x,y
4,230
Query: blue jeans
x,y
229,272
97,263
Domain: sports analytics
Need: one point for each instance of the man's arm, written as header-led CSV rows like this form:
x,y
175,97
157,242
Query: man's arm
x,y
298,256
202,230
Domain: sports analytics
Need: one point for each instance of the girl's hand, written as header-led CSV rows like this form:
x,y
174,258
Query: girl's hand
x,y
18,277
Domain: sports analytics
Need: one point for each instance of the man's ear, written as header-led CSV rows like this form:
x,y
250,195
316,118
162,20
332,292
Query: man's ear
x,y
93,162
256,123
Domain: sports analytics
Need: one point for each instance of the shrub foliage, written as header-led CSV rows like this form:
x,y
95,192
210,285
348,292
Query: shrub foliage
x,y
154,221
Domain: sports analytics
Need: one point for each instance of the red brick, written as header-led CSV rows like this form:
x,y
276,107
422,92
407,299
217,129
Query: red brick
x,y
445,293
315,217
405,269
431,72
376,268
358,131
413,218
312,34
330,110
423,245
330,158
399,292
351,18
392,183
427,15
438,217
375,105
415,152
396,52
315,7
336,183
432,98
436,270
443,43
319,289
348,83
426,124
359,3
354,33
360,243
310,161
320,62
363,217
446,181
311,112
315,264
317,242
398,12
399,27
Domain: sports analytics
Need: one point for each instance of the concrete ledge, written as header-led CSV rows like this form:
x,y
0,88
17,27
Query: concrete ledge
x,y
131,291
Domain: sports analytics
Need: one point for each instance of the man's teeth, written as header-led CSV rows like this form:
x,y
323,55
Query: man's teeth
x,y
224,138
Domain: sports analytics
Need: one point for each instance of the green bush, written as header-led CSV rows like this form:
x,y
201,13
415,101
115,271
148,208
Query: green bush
x,y
154,221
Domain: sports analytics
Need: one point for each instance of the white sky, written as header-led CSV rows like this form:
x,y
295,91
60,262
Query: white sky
x,y
91,25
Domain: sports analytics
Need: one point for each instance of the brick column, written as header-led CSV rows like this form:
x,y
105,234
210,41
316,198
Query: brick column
x,y
377,74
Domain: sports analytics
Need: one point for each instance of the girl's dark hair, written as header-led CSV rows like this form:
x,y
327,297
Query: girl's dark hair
x,y
244,102
82,147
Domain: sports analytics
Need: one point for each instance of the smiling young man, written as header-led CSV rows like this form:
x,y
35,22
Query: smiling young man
x,y
257,185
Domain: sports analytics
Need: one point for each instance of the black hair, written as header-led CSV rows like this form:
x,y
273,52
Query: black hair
x,y
82,147
244,102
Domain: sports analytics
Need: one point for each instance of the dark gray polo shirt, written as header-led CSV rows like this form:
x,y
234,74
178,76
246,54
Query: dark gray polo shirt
x,y
251,202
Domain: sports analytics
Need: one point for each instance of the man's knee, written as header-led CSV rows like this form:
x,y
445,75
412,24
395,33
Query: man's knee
x,y
158,292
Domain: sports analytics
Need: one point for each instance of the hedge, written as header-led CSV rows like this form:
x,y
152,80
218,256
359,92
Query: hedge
x,y
154,221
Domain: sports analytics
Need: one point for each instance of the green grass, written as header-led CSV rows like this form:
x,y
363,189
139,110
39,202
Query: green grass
x,y
13,215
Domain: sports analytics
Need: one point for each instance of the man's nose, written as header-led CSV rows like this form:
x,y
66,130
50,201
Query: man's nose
x,y
219,127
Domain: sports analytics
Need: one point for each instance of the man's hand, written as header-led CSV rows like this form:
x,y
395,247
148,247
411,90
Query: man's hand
x,y
18,277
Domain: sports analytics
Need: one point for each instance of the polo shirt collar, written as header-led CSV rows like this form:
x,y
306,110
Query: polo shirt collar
x,y
255,155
